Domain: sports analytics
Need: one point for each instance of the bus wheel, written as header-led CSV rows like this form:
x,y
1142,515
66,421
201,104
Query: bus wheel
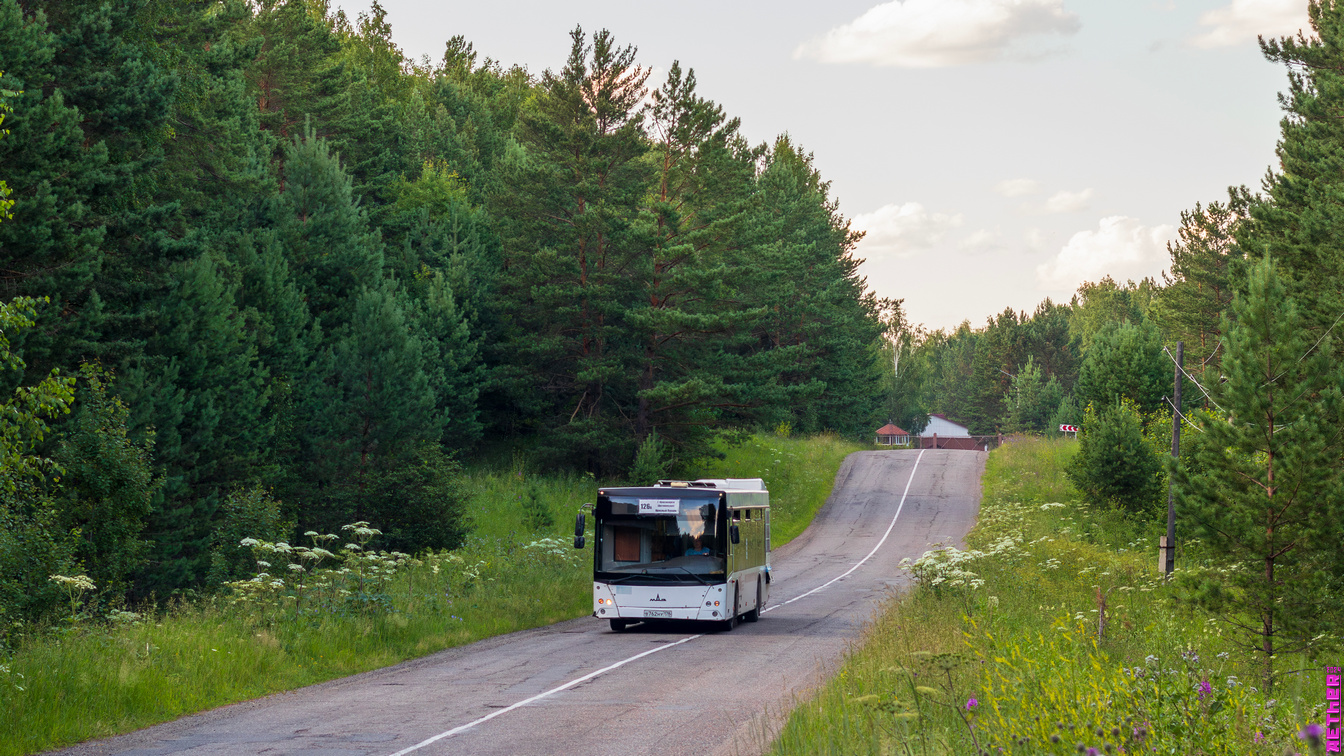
x,y
618,625
729,623
754,614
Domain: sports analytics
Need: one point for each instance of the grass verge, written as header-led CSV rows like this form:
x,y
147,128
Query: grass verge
x,y
95,679
1052,634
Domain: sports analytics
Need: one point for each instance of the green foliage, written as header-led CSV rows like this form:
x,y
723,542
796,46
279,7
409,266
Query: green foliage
x,y
23,416
1291,222
33,544
1069,638
140,668
321,268
653,461
246,512
420,500
1115,464
535,512
1125,362
108,486
1098,305
1034,403
1205,265
1264,487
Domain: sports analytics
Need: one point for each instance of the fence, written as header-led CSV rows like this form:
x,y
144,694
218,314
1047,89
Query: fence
x,y
966,443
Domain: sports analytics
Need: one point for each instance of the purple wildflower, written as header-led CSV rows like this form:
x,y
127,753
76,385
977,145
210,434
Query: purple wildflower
x,y
1093,752
1312,734
1259,737
1205,688
971,703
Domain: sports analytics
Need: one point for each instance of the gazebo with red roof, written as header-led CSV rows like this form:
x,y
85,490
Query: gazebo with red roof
x,y
890,435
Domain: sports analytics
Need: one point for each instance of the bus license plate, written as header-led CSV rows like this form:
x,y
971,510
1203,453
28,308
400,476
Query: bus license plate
x,y
657,613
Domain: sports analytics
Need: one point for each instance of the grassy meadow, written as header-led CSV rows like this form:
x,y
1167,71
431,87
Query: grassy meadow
x,y
1051,634
97,677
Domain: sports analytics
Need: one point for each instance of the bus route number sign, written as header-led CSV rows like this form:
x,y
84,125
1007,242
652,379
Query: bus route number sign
x,y
659,506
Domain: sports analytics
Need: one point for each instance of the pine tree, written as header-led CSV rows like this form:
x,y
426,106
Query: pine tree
x,y
1204,269
955,363
449,260
573,254
201,386
53,244
998,352
1032,400
331,250
1261,483
1046,339
690,325
372,409
1296,221
1115,465
822,329
1125,361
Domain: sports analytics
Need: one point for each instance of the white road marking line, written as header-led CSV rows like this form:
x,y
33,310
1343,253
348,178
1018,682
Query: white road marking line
x,y
540,696
623,662
871,553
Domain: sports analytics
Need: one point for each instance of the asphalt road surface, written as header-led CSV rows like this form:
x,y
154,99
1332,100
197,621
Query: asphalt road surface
x,y
578,688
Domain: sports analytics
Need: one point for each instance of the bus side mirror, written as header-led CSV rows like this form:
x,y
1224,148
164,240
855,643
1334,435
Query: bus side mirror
x,y
578,531
733,534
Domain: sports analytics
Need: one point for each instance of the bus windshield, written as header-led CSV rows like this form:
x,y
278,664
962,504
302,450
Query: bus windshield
x,y
667,537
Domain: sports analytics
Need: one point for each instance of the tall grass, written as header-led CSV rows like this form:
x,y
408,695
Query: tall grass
x,y
516,571
1053,634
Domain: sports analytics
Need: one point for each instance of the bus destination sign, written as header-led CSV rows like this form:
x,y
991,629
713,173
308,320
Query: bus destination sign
x,y
659,506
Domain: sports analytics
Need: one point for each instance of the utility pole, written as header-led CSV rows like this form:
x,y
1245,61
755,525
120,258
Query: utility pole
x,y
1168,545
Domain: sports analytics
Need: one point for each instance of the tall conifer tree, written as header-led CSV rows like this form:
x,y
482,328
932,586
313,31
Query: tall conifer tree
x,y
573,254
1263,483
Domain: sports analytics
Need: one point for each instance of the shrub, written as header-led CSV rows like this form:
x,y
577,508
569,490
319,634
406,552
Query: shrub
x,y
245,513
1115,465
652,461
106,492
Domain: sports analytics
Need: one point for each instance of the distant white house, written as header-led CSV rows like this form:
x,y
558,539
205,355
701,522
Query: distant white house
x,y
941,427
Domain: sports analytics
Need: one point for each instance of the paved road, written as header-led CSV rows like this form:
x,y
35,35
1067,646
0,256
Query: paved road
x,y
690,693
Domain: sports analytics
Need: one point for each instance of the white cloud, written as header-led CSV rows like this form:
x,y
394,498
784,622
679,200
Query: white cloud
x,y
1121,247
1068,202
902,230
1035,239
1243,20
1017,187
980,241
936,33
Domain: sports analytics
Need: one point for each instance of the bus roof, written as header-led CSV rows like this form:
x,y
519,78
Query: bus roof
x,y
703,488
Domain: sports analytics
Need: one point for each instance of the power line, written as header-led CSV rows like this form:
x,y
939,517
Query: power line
x,y
1183,417
1192,379
1309,351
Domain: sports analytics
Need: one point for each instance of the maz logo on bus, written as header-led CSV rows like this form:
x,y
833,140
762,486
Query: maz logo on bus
x,y
657,597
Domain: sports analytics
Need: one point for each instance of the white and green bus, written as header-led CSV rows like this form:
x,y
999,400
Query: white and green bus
x,y
681,550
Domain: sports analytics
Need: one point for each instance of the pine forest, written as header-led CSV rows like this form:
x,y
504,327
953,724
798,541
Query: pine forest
x,y
261,274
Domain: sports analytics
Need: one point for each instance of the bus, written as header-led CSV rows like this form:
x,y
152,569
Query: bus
x,y
681,550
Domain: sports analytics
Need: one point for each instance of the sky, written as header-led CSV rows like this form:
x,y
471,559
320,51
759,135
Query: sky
x,y
996,152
